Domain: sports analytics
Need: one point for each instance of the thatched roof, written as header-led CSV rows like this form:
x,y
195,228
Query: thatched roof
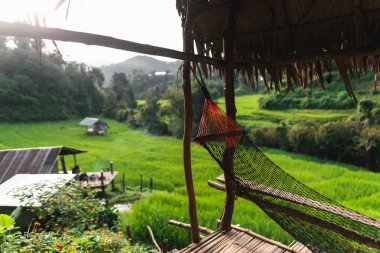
x,y
272,35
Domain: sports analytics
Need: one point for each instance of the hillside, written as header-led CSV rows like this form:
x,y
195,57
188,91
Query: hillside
x,y
144,63
137,153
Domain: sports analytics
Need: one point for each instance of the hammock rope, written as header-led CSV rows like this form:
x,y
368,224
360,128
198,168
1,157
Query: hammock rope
x,y
318,222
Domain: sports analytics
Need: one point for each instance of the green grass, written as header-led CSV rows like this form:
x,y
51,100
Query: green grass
x,y
135,152
249,114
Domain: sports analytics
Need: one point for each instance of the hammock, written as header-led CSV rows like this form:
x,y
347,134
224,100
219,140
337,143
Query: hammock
x,y
316,221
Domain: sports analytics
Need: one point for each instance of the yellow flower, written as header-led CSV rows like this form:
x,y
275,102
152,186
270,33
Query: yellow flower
x,y
37,224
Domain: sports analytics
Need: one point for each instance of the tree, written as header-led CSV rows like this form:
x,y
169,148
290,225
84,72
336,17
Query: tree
x,y
123,91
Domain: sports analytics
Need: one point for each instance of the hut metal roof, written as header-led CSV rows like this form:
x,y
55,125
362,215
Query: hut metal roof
x,y
88,121
31,160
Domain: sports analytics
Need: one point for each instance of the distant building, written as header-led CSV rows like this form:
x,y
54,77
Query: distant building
x,y
95,126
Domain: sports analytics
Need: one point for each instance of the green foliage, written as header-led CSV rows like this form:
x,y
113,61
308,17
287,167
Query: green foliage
x,y
42,89
307,99
69,219
303,137
69,240
6,221
74,205
337,140
150,118
174,110
143,83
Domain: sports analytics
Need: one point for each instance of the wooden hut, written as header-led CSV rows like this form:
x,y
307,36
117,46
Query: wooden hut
x,y
41,160
95,126
294,40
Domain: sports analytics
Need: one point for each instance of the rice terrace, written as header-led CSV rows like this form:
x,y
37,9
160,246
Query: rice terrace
x,y
259,131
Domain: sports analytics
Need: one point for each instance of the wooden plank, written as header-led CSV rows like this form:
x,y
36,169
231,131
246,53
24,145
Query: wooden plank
x,y
96,182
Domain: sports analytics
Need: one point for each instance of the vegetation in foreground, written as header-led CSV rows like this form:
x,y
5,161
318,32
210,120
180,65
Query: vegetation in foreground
x,y
137,153
72,219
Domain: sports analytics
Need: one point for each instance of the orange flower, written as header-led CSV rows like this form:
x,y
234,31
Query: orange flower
x,y
58,246
34,230
37,224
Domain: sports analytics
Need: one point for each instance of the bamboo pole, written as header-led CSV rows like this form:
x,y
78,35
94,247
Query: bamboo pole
x,y
23,30
204,230
187,48
229,96
153,239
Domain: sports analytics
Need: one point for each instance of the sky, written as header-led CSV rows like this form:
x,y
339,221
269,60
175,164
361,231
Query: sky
x,y
154,22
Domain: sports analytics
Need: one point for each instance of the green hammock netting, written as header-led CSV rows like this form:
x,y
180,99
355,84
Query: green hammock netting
x,y
318,222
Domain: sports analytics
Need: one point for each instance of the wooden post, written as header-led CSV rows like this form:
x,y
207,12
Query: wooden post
x,y
123,182
102,183
63,164
165,246
150,184
75,160
186,85
129,234
141,183
229,96
113,180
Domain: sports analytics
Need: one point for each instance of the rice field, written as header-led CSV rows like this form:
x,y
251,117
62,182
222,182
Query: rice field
x,y
249,114
137,153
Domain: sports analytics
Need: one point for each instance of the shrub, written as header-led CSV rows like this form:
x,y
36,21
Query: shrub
x,y
338,139
365,106
370,143
303,138
74,205
306,99
275,137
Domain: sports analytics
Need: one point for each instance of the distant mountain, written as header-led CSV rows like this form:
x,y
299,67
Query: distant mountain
x,y
144,63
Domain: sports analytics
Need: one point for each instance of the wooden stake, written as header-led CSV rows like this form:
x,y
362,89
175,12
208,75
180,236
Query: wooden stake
x,y
113,180
63,165
188,48
141,183
165,246
129,234
102,183
123,182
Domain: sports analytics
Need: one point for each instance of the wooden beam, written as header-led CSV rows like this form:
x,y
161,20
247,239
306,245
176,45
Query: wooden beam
x,y
229,96
28,31
188,120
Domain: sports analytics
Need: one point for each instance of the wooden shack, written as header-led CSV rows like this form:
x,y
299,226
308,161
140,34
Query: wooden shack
x,y
95,126
41,160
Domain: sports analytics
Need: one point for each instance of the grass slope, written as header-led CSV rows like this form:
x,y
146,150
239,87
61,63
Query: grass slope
x,y
135,153
249,114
